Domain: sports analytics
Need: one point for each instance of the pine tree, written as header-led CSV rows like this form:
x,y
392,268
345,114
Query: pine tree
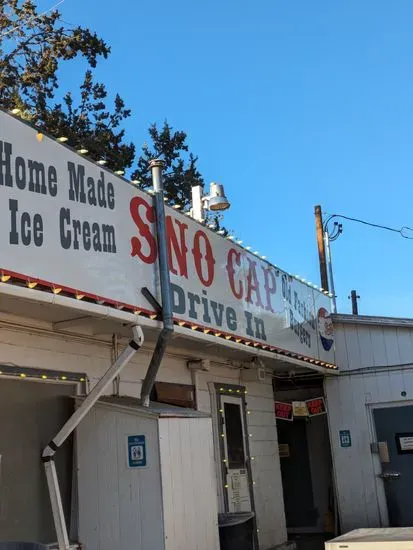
x,y
180,171
33,47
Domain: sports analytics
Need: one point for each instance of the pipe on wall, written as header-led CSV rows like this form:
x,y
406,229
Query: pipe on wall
x,y
165,282
48,455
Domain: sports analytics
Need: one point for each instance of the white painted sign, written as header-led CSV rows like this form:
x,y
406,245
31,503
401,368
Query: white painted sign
x,y
72,224
406,443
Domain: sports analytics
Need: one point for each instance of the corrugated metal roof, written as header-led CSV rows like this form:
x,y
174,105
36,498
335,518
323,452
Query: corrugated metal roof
x,y
372,320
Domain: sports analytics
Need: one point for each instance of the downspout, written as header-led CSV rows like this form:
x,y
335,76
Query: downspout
x,y
49,452
165,282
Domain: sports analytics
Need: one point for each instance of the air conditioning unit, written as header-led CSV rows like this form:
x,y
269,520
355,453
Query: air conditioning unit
x,y
395,538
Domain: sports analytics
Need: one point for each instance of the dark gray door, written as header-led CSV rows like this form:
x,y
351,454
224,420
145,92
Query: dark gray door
x,y
394,426
31,413
299,505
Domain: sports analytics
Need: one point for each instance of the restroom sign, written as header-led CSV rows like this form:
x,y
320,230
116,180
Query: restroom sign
x,y
345,438
136,451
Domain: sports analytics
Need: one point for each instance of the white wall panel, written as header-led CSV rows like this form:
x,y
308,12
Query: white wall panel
x,y
351,398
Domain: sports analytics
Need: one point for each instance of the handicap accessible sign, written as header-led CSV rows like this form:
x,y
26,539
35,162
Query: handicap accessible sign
x,y
136,451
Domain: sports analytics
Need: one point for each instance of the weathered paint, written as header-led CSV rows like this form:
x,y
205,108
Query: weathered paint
x,y
261,425
189,497
118,507
378,350
34,344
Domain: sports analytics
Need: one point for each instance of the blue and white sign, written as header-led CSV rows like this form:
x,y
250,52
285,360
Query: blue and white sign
x,y
345,438
136,451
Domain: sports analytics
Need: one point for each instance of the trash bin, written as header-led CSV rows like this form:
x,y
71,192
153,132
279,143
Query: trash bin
x,y
236,531
18,545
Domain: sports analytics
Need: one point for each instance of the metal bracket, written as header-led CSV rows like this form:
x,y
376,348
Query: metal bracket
x,y
152,300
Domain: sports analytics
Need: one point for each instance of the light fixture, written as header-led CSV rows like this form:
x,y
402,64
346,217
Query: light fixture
x,y
221,232
216,201
119,172
135,181
82,151
102,162
15,111
62,139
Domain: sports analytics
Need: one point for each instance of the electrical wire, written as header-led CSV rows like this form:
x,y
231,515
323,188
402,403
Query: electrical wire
x,y
402,231
34,17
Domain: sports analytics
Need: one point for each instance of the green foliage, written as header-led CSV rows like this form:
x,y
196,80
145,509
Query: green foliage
x,y
33,48
180,172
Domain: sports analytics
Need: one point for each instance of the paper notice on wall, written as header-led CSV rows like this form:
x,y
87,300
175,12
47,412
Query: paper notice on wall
x,y
284,450
238,491
300,408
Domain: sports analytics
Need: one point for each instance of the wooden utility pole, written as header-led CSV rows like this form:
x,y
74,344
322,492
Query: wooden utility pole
x,y
321,247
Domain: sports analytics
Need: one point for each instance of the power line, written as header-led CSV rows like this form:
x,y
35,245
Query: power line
x,y
25,21
402,231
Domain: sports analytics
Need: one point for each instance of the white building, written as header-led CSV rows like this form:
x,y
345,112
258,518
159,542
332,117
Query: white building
x,y
371,421
77,247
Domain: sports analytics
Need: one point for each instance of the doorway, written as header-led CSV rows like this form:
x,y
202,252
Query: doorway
x,y
305,455
31,413
394,431
236,477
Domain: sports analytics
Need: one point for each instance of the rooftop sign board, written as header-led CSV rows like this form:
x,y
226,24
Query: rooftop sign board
x,y
68,223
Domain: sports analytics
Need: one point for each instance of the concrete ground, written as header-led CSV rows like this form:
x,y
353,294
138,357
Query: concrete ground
x,y
310,542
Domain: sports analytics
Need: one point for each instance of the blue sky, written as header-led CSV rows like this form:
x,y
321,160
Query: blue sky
x,y
288,104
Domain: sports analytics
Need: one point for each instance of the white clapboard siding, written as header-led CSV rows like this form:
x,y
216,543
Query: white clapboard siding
x,y
266,471
189,492
261,426
69,354
381,358
118,507
364,345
